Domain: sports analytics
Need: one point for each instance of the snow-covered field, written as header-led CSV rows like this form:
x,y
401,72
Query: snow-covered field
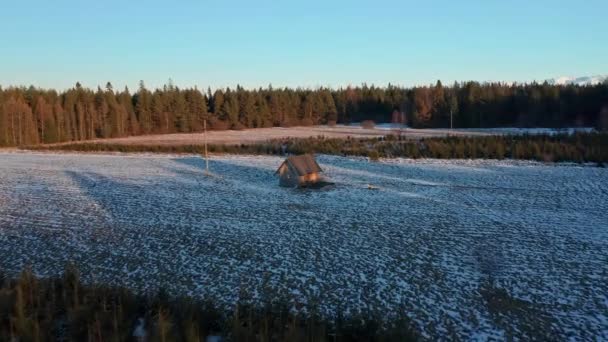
x,y
257,135
521,131
468,249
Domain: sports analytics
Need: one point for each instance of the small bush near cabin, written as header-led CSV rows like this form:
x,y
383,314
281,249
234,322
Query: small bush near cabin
x,y
373,155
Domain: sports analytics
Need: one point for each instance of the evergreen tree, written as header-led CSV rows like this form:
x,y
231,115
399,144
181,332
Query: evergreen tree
x,y
143,111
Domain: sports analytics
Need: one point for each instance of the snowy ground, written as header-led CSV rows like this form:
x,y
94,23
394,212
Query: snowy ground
x,y
521,131
469,249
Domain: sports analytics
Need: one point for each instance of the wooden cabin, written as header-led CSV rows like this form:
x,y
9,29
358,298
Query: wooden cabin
x,y
299,171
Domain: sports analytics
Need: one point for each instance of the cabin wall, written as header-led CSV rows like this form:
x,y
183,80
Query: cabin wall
x,y
288,179
309,179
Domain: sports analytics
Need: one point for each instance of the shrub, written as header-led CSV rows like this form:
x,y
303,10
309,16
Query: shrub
x,y
391,137
306,122
237,126
286,123
373,155
368,124
218,125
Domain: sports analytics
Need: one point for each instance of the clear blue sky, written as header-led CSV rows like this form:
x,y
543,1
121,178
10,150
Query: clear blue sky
x,y
290,43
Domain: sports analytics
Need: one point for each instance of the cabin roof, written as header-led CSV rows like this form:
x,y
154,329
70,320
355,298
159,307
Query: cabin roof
x,y
304,164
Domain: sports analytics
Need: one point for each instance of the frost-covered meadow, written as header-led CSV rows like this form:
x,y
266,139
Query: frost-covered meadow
x,y
468,249
260,135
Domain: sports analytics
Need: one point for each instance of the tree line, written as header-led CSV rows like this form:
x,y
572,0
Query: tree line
x,y
30,116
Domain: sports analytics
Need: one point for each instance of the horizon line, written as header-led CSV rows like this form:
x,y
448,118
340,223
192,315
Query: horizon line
x,y
170,82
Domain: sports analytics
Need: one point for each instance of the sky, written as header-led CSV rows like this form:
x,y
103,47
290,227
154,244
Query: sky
x,y
54,44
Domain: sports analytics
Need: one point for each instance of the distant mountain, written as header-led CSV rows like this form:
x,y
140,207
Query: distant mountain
x,y
584,80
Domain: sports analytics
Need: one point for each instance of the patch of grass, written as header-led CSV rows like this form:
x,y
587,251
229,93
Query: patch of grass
x,y
531,322
373,155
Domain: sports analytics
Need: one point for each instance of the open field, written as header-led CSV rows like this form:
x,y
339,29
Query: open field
x,y
248,136
469,249
255,135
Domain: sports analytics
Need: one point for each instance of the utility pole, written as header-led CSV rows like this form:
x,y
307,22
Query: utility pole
x,y
206,154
